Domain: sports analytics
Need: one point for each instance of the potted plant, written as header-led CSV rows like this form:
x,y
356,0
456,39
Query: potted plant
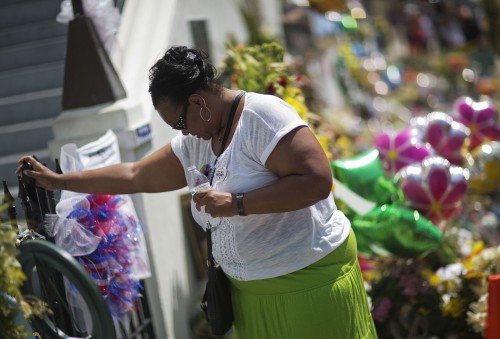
x,y
15,308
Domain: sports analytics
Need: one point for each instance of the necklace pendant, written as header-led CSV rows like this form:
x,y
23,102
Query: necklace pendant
x,y
220,174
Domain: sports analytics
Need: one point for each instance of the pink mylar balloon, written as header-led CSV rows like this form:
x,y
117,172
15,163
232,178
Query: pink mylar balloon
x,y
419,124
435,187
480,117
448,138
399,149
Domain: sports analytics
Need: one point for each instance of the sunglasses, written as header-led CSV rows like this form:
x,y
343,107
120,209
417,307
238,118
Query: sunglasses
x,y
181,123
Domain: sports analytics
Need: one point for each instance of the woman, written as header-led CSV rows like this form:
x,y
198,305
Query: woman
x,y
289,253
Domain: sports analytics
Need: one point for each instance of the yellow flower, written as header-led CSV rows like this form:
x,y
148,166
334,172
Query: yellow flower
x,y
452,308
474,275
298,106
294,92
431,277
434,279
324,141
477,248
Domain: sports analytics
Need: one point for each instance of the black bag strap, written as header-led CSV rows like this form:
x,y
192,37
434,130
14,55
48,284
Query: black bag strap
x,y
232,113
230,119
210,256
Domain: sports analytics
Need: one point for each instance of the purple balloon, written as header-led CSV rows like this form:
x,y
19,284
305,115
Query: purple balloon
x,y
400,149
435,187
480,117
447,137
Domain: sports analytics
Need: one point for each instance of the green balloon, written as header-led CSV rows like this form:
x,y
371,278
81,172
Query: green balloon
x,y
396,230
364,175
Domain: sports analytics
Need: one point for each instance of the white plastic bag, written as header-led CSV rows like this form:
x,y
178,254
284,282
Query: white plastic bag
x,y
102,231
103,14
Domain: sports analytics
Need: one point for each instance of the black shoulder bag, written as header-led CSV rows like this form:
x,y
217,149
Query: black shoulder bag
x,y
216,302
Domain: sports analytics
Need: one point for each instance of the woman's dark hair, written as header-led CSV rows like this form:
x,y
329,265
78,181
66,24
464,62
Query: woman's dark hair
x,y
179,73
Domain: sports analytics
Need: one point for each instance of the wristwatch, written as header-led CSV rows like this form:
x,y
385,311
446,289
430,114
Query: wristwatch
x,y
239,204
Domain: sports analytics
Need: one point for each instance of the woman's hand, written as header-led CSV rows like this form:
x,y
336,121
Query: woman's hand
x,y
43,176
217,204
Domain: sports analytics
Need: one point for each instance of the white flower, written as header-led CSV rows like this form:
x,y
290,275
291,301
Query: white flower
x,y
487,258
466,239
476,317
451,272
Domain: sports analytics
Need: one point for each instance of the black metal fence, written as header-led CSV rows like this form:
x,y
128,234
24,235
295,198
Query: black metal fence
x,y
37,205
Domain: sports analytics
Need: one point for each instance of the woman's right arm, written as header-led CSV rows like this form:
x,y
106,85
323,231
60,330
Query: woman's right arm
x,y
159,172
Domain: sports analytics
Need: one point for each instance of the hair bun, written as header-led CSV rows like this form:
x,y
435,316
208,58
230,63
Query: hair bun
x,y
196,57
180,72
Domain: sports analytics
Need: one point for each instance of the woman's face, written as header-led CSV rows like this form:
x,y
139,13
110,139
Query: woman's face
x,y
184,117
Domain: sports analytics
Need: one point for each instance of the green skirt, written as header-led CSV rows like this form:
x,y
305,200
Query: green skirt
x,y
326,300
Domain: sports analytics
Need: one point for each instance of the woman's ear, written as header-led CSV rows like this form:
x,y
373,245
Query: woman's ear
x,y
197,100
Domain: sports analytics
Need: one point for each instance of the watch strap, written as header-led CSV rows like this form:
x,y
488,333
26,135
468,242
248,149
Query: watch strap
x,y
239,204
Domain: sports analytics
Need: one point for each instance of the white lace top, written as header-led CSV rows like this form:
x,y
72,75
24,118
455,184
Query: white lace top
x,y
263,245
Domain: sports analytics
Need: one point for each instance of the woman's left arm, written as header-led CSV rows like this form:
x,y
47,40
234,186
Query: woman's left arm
x,y
304,176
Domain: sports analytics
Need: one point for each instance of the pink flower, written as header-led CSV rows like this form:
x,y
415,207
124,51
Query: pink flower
x,y
397,150
412,285
382,310
479,117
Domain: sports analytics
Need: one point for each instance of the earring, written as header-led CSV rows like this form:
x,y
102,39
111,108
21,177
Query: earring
x,y
205,107
209,114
